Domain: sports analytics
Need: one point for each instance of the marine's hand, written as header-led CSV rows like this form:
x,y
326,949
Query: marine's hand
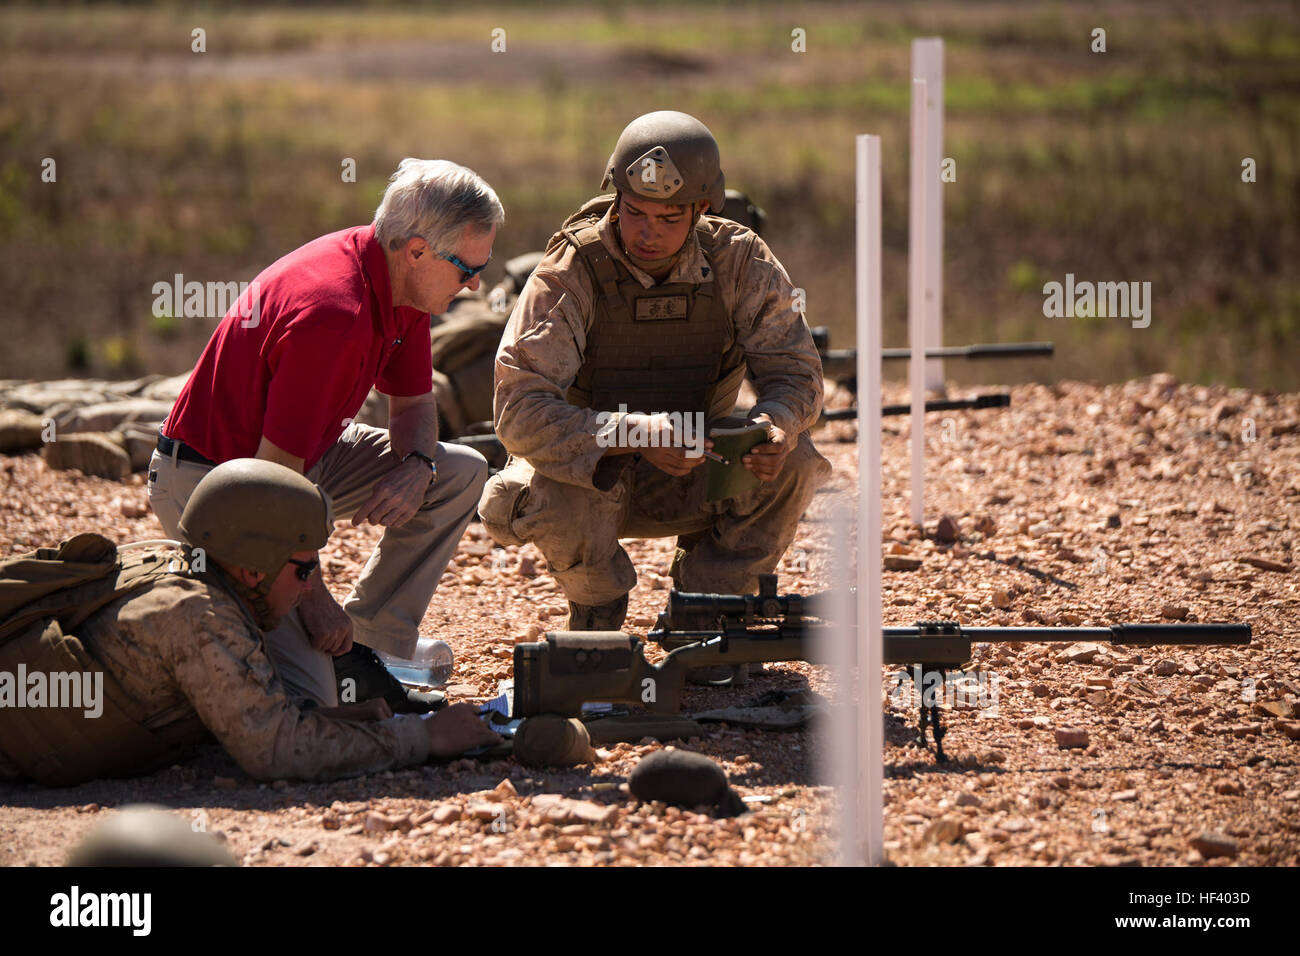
x,y
397,496
767,460
328,625
671,456
456,729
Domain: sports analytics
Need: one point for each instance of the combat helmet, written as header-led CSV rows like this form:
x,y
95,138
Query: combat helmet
x,y
255,514
667,156
148,835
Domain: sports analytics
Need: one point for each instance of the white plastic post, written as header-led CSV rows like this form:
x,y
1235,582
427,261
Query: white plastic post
x,y
916,295
927,64
844,725
870,651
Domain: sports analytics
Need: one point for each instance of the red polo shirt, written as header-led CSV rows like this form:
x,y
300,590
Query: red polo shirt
x,y
298,366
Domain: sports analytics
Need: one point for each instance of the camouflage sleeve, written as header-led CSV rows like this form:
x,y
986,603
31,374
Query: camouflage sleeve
x,y
540,354
219,664
778,346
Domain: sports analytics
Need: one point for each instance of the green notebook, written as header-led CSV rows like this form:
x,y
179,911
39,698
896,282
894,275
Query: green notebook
x,y
732,442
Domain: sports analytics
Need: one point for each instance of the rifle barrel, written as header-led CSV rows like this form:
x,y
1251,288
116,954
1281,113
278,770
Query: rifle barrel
x,y
995,400
700,613
1126,634
989,350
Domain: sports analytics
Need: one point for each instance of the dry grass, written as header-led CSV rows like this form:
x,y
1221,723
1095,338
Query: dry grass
x,y
1122,166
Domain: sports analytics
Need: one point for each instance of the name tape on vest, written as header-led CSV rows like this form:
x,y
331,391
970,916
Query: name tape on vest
x,y
662,307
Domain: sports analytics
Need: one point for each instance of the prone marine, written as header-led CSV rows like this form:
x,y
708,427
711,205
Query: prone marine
x,y
184,655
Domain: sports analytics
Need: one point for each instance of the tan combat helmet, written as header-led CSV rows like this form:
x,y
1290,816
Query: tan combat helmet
x,y
147,835
254,514
667,157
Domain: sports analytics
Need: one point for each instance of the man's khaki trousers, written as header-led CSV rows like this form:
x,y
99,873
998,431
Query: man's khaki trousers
x,y
731,542
389,601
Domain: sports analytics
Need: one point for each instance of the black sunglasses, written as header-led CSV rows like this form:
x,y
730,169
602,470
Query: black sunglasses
x,y
305,568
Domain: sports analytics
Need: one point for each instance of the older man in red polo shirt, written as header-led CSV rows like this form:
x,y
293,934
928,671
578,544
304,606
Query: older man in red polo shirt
x,y
288,368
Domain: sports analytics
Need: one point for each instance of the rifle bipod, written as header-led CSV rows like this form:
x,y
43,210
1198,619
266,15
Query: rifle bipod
x,y
930,689
929,713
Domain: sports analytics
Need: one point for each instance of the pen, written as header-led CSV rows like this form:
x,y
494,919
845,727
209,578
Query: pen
x,y
714,456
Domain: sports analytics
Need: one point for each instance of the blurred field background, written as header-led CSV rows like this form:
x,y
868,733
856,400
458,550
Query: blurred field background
x,y
1122,166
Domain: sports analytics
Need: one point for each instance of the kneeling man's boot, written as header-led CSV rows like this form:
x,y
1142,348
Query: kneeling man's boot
x,y
603,617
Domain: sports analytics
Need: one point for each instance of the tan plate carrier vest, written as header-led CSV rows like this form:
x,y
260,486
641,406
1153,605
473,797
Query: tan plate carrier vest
x,y
61,746
669,348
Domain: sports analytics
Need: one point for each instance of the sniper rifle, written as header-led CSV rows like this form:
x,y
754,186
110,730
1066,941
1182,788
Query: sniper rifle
x,y
567,669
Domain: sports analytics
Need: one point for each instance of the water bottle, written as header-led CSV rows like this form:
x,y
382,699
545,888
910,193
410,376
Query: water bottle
x,y
430,666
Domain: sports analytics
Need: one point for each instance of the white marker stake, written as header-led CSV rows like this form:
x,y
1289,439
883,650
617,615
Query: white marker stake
x,y
846,713
870,760
916,296
927,64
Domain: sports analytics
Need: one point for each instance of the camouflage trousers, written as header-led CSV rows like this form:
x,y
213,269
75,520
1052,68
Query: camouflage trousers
x,y
728,543
390,598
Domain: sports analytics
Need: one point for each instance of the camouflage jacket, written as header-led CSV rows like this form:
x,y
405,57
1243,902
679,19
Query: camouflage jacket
x,y
183,646
543,345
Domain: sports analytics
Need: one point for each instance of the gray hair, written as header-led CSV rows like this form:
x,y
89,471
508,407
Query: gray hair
x,y
436,200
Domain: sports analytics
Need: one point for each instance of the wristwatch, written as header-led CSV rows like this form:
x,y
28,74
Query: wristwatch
x,y
433,469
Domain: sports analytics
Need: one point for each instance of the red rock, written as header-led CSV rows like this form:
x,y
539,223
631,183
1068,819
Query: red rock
x,y
1264,564
1069,738
947,530
1080,653
943,830
898,562
1211,844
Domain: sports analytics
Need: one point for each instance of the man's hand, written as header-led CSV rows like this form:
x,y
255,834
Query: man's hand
x,y
376,708
456,729
328,625
767,460
670,457
397,496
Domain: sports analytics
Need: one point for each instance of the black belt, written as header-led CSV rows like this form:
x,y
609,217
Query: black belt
x,y
183,451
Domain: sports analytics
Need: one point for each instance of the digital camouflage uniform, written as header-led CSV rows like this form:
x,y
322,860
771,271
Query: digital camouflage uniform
x,y
559,490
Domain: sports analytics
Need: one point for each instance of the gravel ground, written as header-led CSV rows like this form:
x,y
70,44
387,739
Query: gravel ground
x,y
1146,501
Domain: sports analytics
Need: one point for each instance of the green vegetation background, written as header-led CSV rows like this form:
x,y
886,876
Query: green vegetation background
x,y
1117,166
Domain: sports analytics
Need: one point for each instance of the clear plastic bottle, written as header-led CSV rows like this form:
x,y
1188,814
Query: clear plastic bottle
x,y
430,666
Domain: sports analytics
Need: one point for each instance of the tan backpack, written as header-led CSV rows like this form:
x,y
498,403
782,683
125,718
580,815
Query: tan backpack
x,y
45,596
